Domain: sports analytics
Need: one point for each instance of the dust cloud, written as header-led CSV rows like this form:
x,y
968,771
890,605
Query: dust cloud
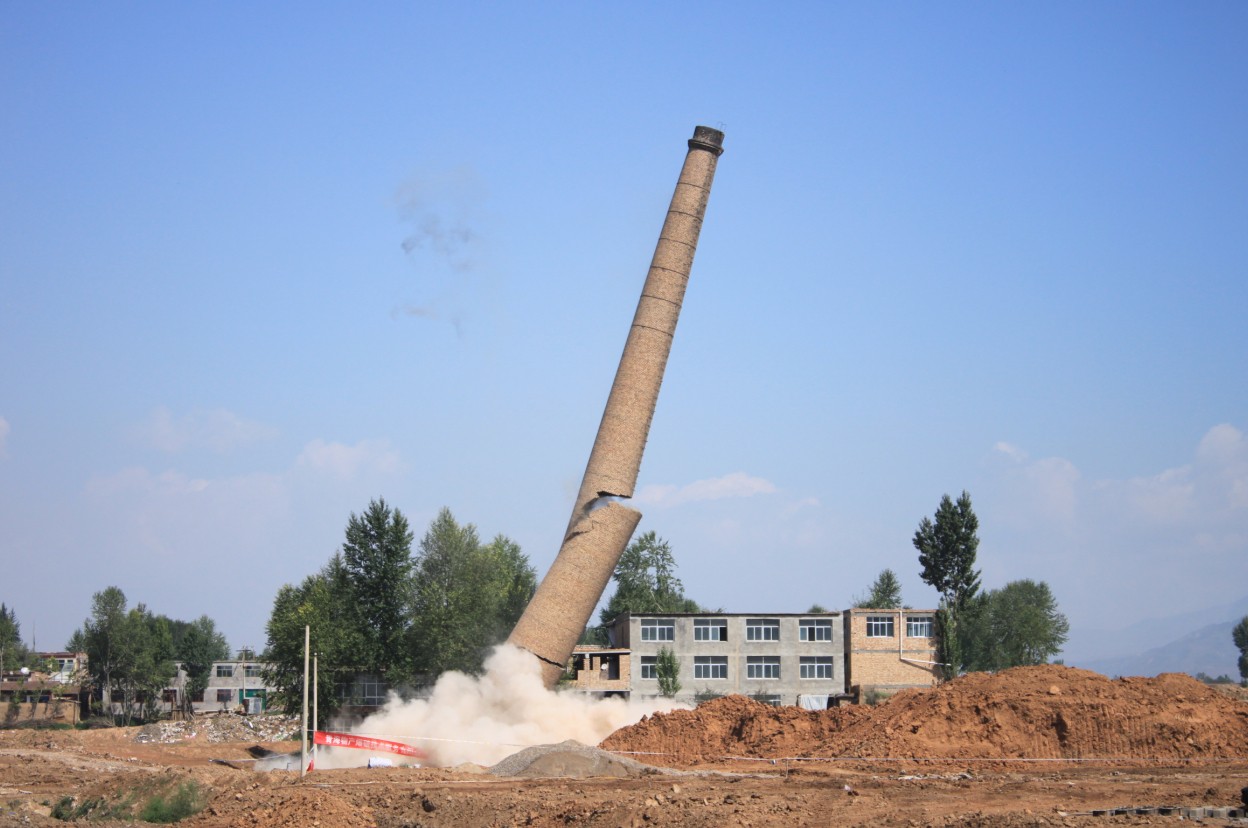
x,y
483,719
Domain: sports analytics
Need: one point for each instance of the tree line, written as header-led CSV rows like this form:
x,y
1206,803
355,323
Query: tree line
x,y
377,607
1016,625
132,654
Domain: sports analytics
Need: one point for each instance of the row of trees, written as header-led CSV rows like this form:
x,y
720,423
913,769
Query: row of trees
x,y
377,607
131,653
1018,624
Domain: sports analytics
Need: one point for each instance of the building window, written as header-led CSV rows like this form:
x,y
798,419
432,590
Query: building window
x,y
225,671
366,690
816,667
814,629
710,629
762,629
658,629
919,626
252,671
762,667
879,626
765,698
649,667
710,667
225,696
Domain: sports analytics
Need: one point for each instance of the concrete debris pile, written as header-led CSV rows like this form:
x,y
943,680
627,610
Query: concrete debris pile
x,y
1046,712
569,759
225,727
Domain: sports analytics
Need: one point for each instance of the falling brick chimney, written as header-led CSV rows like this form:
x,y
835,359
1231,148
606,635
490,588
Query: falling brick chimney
x,y
600,527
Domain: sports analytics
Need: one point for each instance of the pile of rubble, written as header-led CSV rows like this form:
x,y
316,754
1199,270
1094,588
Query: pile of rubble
x,y
1047,712
222,727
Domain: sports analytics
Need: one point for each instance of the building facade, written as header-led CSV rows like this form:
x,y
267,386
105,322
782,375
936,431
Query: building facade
x,y
890,649
779,658
232,686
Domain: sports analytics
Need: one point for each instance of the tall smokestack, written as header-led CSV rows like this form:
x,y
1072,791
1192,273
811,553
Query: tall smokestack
x,y
600,528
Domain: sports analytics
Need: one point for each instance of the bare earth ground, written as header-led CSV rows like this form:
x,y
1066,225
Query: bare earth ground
x,y
1145,742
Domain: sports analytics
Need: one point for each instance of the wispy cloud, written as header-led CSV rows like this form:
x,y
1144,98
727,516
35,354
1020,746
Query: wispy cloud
x,y
4,435
736,484
798,505
346,462
1149,537
216,430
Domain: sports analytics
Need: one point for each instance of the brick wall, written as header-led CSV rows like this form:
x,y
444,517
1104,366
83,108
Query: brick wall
x,y
887,662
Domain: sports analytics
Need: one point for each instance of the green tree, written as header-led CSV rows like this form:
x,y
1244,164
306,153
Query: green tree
x,y
467,596
646,581
100,638
377,559
817,608
1016,625
197,644
13,654
947,548
375,608
885,593
1239,634
143,665
320,602
515,583
667,670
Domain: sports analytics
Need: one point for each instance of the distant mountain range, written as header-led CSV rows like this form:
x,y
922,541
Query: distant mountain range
x,y
1206,649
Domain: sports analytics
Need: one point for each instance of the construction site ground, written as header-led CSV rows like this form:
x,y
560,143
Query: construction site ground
x,y
990,750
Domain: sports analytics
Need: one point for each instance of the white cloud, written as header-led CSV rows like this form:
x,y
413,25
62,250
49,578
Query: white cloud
x,y
1179,530
1011,451
736,484
346,462
217,430
797,505
1042,490
1223,445
4,435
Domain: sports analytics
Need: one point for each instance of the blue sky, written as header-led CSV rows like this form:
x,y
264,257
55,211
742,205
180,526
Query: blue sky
x,y
260,265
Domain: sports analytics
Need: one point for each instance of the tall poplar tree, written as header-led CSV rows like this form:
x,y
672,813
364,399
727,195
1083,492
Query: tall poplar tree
x,y
947,548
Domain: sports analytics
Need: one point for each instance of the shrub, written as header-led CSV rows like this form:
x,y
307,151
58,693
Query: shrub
x,y
182,803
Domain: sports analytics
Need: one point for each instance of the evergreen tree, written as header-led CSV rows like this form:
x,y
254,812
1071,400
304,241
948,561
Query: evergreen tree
x,y
13,654
377,561
947,550
646,581
885,593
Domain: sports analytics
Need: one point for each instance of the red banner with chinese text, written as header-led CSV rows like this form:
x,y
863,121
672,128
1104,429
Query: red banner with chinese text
x,y
351,740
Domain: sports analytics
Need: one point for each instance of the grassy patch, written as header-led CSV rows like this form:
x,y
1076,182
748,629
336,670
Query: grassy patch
x,y
185,800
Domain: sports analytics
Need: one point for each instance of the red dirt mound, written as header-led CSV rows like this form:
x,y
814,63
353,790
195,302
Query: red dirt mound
x,y
1047,712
